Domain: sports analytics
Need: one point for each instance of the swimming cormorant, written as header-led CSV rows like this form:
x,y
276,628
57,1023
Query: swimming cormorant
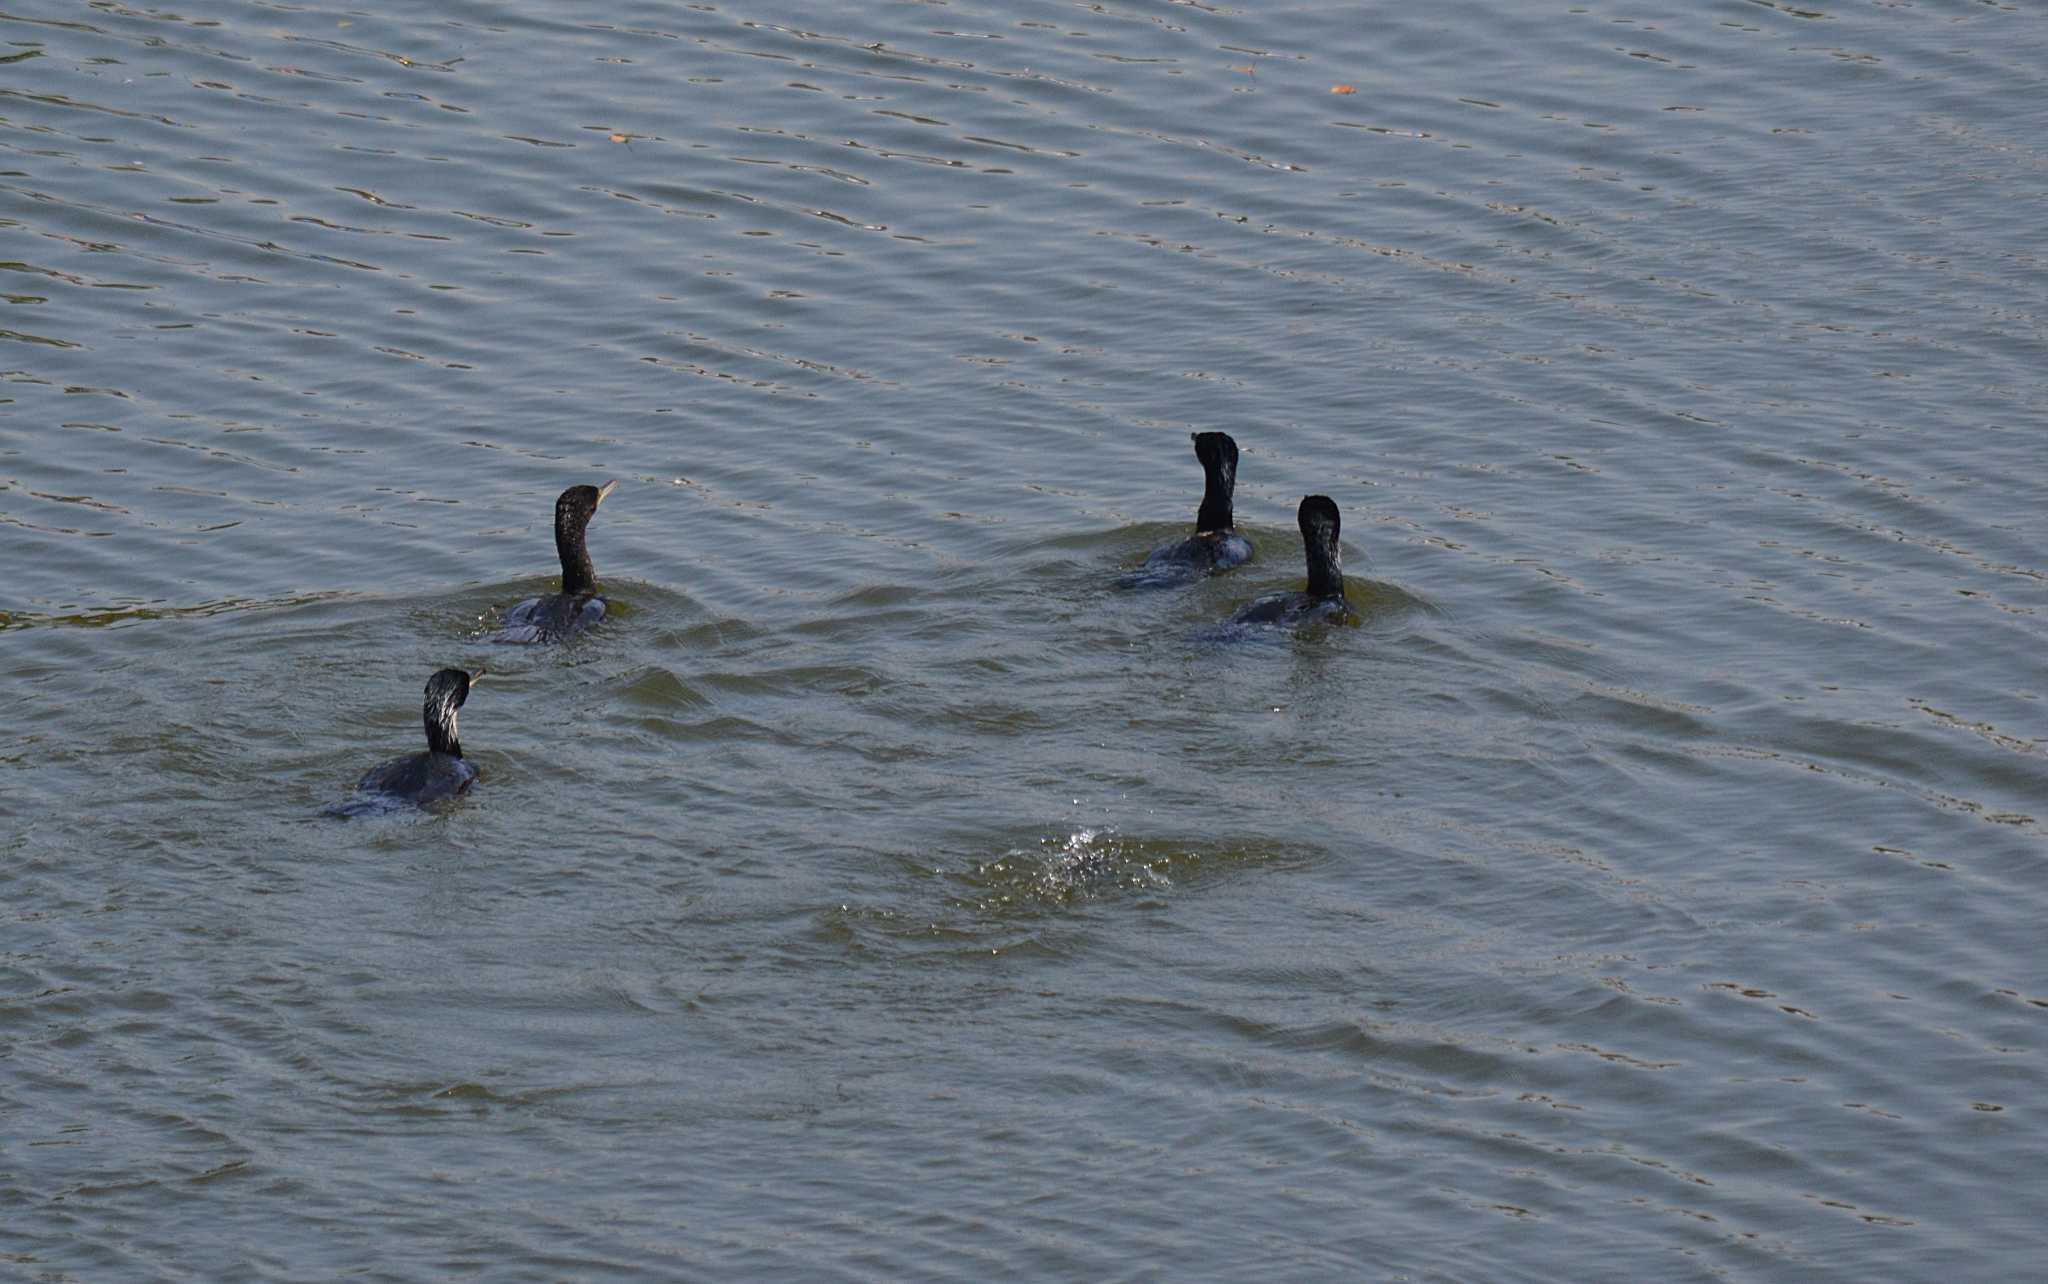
x,y
1215,545
560,616
440,772
1325,596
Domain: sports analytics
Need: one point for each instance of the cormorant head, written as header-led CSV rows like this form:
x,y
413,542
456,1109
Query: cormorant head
x,y
1319,528
1218,454
575,506
446,691
572,513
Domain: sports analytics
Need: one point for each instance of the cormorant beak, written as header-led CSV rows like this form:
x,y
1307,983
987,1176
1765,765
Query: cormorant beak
x,y
476,675
606,489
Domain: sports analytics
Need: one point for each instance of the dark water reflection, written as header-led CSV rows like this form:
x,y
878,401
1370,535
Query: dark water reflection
x,y
1647,885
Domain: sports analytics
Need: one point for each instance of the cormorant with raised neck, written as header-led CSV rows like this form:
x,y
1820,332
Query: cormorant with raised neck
x,y
1215,545
560,616
418,778
1325,596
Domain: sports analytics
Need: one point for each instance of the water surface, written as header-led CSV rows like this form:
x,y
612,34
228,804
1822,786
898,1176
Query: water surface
x,y
1647,884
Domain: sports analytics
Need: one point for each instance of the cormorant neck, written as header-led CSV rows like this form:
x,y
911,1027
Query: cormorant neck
x,y
1325,561
1325,577
578,575
1216,492
441,737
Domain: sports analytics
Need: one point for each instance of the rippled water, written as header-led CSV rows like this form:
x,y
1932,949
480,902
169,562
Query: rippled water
x,y
1647,885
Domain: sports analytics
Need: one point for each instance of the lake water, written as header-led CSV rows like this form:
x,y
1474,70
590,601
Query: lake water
x,y
1648,885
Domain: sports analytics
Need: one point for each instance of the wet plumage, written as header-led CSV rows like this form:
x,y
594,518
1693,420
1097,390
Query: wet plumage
x,y
1325,598
419,778
560,616
1215,545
